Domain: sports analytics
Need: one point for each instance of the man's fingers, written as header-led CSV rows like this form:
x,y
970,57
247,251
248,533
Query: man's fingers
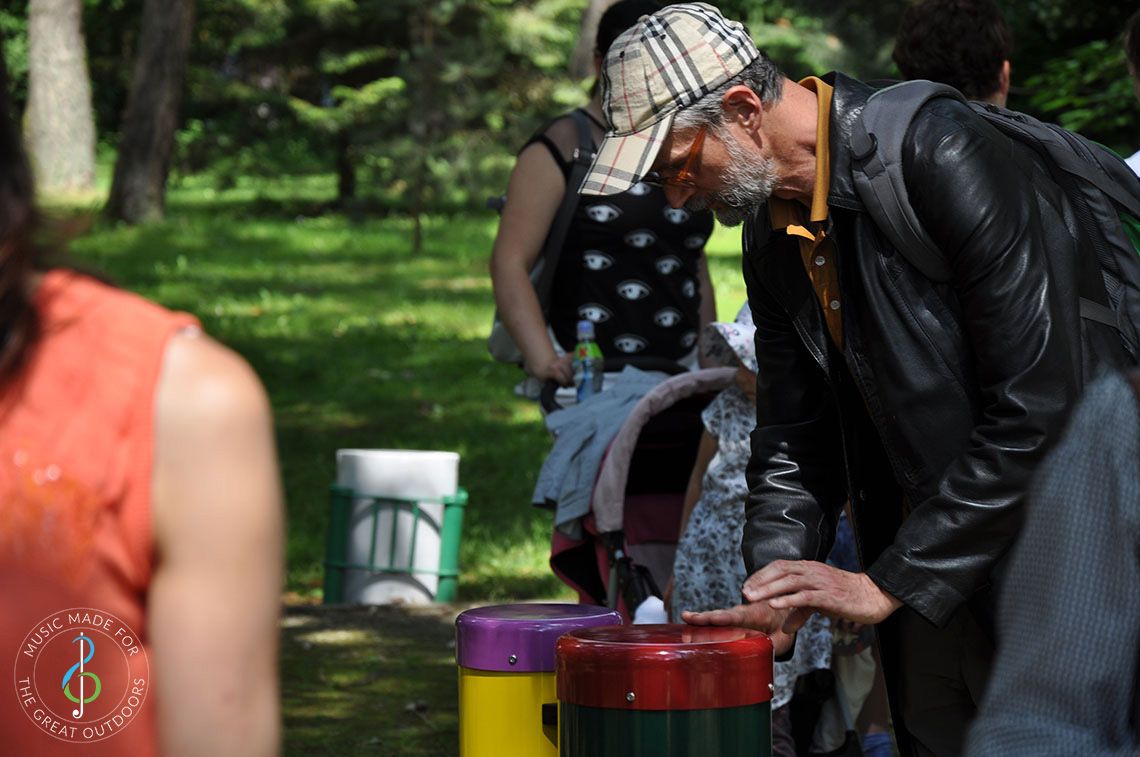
x,y
785,584
784,577
799,600
757,616
730,617
756,583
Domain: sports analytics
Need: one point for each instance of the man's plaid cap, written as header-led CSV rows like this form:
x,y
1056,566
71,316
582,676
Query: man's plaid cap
x,y
667,62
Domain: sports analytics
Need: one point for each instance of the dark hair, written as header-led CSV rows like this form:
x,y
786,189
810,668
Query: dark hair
x,y
1132,43
962,43
618,17
19,253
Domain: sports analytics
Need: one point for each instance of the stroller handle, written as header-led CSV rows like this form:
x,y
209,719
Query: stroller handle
x,y
613,364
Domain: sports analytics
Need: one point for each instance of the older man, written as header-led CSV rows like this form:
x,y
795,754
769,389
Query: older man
x,y
928,406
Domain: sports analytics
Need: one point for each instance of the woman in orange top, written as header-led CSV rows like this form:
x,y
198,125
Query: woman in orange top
x,y
140,515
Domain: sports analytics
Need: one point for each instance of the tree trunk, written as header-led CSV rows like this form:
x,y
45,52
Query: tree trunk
x,y
582,61
59,121
138,190
345,170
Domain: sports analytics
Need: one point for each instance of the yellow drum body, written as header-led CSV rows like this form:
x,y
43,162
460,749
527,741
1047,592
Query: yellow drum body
x,y
505,654
500,714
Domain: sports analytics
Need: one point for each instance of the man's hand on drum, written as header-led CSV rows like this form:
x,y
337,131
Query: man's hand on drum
x,y
800,585
782,596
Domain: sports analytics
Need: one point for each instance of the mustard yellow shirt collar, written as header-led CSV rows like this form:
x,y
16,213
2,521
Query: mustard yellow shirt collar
x,y
785,213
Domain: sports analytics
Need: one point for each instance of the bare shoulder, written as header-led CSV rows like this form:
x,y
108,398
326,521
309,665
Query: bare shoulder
x,y
204,382
215,459
536,169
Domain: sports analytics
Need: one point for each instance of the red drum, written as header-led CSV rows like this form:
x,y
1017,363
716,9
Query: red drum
x,y
664,690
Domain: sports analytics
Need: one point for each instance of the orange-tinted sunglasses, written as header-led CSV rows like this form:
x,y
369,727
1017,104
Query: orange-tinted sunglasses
x,y
686,177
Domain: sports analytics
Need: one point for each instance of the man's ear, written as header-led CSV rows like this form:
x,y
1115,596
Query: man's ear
x,y
1003,83
742,106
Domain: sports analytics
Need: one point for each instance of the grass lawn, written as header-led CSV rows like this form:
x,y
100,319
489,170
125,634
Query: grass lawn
x,y
362,343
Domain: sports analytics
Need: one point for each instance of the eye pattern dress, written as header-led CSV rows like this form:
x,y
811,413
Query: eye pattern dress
x,y
630,265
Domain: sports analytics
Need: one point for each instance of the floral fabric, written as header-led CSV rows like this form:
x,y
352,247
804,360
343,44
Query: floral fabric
x,y
708,570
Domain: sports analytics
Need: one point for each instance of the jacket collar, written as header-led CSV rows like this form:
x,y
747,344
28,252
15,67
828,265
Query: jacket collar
x,y
846,108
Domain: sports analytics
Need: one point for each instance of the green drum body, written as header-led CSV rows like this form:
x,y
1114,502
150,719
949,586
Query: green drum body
x,y
665,691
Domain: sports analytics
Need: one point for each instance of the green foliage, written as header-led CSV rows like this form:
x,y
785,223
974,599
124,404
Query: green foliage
x,y
423,102
1047,30
1089,91
14,32
800,46
421,105
807,37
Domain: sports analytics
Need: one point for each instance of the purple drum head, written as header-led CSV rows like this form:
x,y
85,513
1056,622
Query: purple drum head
x,y
520,638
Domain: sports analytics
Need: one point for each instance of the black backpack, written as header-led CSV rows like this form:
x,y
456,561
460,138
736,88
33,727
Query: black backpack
x,y
499,343
1102,189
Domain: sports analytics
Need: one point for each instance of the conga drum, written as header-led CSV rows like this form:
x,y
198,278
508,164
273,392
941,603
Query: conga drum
x,y
664,690
505,654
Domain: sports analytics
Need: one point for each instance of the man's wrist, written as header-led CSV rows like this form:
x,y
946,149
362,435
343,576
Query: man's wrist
x,y
887,602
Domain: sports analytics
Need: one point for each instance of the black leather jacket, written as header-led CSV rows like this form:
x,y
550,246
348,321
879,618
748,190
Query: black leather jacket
x,y
946,396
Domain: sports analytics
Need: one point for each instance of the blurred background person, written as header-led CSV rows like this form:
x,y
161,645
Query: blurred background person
x,y
1066,678
630,263
138,478
964,43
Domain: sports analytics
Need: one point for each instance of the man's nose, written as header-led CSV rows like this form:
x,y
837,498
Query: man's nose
x,y
677,196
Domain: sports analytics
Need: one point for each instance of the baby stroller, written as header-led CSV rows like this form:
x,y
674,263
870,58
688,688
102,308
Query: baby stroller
x,y
629,537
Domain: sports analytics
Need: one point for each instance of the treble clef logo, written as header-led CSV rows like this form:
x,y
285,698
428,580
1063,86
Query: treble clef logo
x,y
78,667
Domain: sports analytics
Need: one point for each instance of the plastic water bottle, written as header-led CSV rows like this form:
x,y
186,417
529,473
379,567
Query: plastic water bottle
x,y
589,370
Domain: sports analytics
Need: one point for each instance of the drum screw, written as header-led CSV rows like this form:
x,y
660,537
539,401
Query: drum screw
x,y
771,687
513,659
630,696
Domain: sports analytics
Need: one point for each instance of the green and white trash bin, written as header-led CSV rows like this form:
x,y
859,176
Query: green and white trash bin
x,y
395,520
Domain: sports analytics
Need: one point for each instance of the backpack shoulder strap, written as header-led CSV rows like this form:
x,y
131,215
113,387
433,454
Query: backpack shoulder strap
x,y
552,248
876,150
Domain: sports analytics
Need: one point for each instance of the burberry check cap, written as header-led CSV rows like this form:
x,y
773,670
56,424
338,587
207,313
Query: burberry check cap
x,y
667,62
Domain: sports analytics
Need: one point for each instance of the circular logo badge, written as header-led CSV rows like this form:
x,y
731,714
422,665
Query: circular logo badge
x,y
82,675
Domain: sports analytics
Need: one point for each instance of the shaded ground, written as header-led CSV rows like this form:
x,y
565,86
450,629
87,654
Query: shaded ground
x,y
377,680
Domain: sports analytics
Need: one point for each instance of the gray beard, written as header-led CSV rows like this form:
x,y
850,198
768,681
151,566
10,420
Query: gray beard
x,y
748,183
